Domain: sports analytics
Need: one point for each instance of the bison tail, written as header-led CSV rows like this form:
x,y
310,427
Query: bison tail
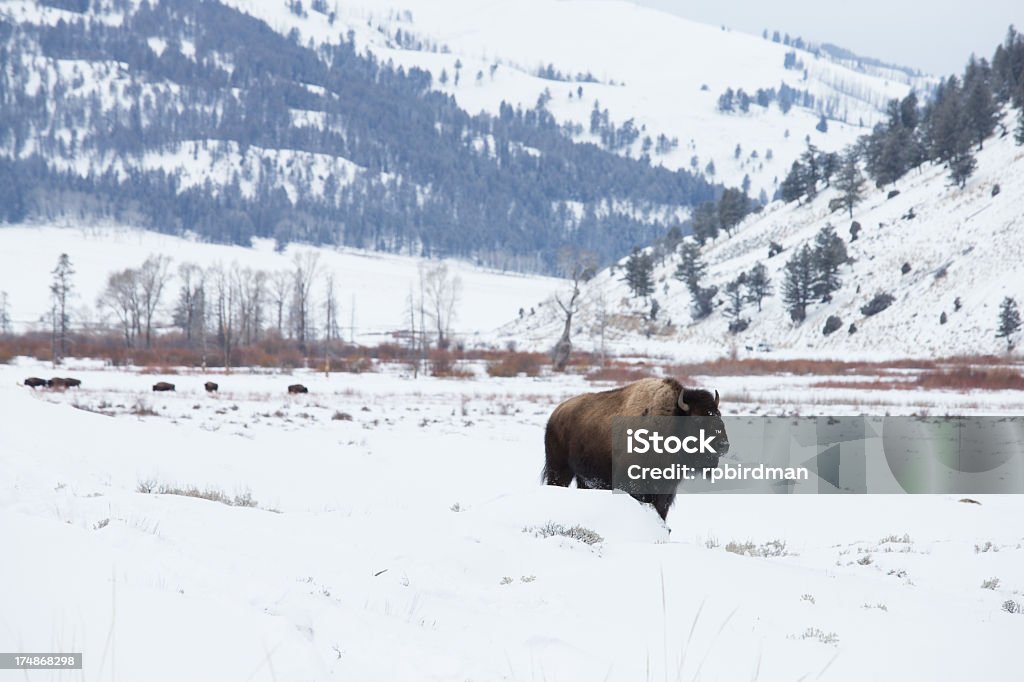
x,y
556,461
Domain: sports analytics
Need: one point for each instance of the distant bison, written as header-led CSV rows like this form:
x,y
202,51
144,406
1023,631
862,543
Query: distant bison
x,y
297,388
35,382
210,387
57,383
578,438
163,386
72,383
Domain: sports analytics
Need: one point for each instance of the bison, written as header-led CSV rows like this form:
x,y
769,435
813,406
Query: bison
x,y
210,387
57,383
297,388
35,382
163,386
72,383
578,437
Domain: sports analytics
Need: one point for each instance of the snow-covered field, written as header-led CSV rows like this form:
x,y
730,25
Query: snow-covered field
x,y
372,288
387,542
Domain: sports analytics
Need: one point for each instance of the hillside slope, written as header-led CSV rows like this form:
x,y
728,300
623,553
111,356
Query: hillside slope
x,y
660,71
966,244
429,128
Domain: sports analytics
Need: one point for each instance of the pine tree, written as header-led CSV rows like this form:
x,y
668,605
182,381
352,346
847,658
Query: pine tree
x,y
980,110
850,182
829,253
639,273
962,163
1009,321
758,284
705,221
734,298
691,267
792,187
797,287
732,208
703,300
60,291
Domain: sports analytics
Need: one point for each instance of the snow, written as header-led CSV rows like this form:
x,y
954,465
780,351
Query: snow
x,y
652,66
657,61
962,243
372,287
355,563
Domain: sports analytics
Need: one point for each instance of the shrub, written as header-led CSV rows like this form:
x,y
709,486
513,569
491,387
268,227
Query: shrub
x,y
1010,606
342,417
766,549
877,304
514,364
990,584
833,323
579,533
736,326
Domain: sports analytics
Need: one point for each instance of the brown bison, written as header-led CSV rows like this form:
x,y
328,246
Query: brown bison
x,y
210,387
35,382
72,383
578,438
57,383
163,386
297,388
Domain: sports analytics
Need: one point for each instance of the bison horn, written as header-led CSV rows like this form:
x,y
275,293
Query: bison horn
x,y
682,404
716,398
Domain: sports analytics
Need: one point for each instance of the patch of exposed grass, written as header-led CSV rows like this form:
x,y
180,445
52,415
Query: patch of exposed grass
x,y
579,533
244,499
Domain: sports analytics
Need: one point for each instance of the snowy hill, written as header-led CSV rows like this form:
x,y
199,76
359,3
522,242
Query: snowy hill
x,y
959,244
661,71
432,127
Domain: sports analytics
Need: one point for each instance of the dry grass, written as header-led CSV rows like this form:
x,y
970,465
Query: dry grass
x,y
619,373
962,378
513,364
244,499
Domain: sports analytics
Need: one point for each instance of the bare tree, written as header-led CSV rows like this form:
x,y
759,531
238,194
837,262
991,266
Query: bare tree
x,y
280,294
251,285
579,267
188,314
224,291
121,296
411,306
332,331
60,290
441,293
153,276
303,276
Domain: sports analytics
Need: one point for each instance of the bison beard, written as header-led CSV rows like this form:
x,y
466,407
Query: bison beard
x,y
578,438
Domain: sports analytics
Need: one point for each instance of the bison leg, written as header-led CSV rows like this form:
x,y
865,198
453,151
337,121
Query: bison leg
x,y
662,503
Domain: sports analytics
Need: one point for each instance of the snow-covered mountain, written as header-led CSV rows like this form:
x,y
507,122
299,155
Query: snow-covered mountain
x,y
947,255
357,123
661,71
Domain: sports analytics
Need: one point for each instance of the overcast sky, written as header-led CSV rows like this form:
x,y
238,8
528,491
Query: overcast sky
x,y
932,35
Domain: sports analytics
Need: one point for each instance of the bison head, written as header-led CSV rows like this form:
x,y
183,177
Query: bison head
x,y
695,402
